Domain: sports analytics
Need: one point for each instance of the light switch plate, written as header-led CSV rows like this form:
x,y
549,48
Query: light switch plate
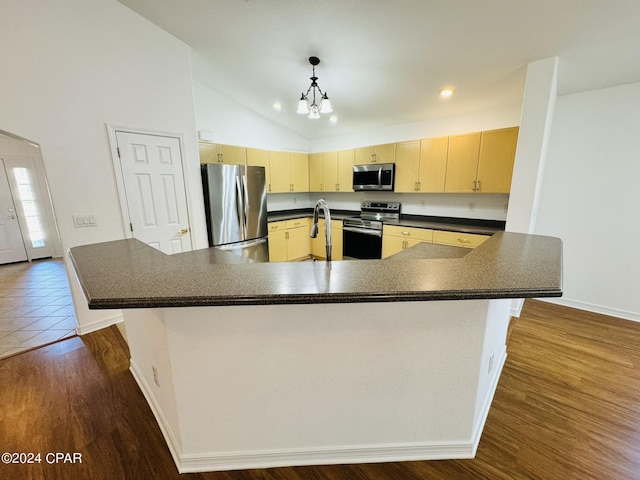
x,y
87,220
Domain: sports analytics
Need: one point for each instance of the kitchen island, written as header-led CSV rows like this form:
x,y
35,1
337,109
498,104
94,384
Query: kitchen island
x,y
251,365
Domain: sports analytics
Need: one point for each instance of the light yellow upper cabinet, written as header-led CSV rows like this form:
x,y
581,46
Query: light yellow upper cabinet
x,y
315,172
299,172
497,155
407,166
233,155
385,153
280,166
345,170
462,163
364,155
208,152
217,153
330,171
433,164
260,158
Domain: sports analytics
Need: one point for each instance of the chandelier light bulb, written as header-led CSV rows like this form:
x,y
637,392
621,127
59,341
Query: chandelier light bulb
x,y
315,112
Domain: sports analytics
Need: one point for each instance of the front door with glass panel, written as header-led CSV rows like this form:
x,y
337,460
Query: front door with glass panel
x,y
29,198
12,247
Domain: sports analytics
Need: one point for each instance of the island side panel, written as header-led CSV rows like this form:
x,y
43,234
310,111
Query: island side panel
x,y
260,386
150,365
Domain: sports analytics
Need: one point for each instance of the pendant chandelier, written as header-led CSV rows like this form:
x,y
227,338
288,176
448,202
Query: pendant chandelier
x,y
307,103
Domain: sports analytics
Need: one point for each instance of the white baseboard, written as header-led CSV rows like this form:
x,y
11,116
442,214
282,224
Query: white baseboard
x,y
325,456
99,324
207,462
590,307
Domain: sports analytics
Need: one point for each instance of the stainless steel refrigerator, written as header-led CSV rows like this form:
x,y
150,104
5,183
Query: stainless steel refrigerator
x,y
235,198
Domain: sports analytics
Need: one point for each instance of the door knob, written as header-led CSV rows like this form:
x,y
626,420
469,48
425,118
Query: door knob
x,y
184,231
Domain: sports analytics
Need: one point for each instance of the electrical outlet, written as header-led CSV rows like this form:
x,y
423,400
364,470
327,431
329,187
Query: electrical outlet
x,y
154,369
423,204
491,357
471,206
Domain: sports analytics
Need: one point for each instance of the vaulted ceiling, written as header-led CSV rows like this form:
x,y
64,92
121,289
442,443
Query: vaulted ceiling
x,y
383,62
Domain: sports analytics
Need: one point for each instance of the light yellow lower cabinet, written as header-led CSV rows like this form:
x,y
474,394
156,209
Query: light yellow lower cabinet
x,y
319,244
278,246
396,238
289,240
298,243
469,240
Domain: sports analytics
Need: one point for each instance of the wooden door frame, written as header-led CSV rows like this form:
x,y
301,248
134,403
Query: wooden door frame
x,y
112,129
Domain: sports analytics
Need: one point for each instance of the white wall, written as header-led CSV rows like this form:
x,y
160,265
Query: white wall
x,y
233,124
590,198
70,67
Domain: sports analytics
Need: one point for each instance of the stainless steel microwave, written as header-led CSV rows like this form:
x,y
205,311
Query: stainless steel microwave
x,y
374,176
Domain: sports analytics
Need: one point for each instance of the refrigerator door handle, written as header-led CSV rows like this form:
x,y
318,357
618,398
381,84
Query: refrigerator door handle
x,y
245,203
240,205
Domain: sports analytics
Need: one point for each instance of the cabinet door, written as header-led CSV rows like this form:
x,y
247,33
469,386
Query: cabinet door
x,y
233,155
208,152
385,153
433,164
298,245
364,155
330,171
317,244
299,172
315,172
462,163
278,246
345,170
497,155
407,166
260,158
391,245
280,166
336,240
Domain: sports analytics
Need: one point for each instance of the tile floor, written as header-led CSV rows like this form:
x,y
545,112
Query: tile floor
x,y
35,305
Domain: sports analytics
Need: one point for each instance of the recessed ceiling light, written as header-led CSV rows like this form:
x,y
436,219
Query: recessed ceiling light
x,y
333,119
446,92
277,106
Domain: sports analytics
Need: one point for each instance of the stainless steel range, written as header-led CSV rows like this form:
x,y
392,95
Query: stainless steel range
x,y
362,236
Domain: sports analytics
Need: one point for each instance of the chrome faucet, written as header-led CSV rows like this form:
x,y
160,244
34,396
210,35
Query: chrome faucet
x,y
327,219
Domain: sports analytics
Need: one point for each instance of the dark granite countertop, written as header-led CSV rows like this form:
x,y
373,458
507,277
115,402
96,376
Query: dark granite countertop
x,y
130,274
464,225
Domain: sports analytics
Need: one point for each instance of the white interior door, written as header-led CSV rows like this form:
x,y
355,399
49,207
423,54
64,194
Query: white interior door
x,y
11,244
155,192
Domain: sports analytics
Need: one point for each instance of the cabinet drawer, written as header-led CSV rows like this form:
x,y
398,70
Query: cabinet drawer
x,y
459,239
423,234
274,226
298,222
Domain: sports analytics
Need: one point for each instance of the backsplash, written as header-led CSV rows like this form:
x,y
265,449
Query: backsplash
x,y
479,206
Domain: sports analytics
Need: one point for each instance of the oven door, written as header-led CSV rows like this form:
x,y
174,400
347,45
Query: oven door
x,y
361,243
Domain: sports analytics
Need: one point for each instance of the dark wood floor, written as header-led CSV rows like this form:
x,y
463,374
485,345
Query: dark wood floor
x,y
567,406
